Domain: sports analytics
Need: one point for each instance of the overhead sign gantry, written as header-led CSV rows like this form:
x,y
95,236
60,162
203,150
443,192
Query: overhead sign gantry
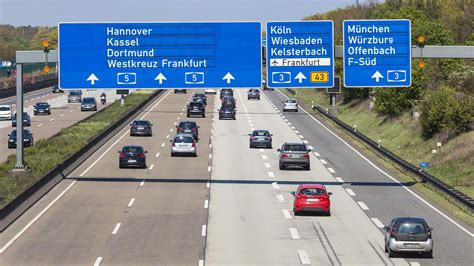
x,y
160,55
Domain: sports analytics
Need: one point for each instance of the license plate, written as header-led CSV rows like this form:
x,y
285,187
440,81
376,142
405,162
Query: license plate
x,y
411,245
132,161
140,128
295,156
312,200
187,130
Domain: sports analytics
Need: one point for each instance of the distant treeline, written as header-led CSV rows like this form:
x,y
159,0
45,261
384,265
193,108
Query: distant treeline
x,y
24,38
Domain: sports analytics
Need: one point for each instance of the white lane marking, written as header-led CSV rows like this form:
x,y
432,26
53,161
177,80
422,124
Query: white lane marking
x,y
175,123
414,263
210,145
51,120
377,222
209,168
251,125
38,97
280,198
203,230
210,155
310,147
61,115
151,167
363,206
323,161
70,111
304,258
294,233
171,130
131,202
286,120
98,261
40,125
252,128
282,116
297,132
338,179
264,157
275,185
201,263
261,150
331,170
293,127
286,213
157,155
206,204
163,144
350,192
301,136
289,123
9,243
267,165
271,174
386,174
181,113
167,136
178,118
208,184
142,183
305,141
116,228
317,154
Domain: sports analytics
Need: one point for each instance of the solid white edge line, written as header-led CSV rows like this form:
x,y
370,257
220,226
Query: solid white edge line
x,y
362,205
386,174
350,192
131,202
9,243
294,233
98,261
201,263
280,198
304,258
116,228
206,204
377,222
286,213
203,230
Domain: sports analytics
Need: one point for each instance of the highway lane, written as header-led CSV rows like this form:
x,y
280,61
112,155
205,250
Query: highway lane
x,y
251,220
62,115
126,216
27,96
383,196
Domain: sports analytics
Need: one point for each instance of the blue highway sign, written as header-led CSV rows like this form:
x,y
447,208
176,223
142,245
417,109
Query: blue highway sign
x,y
300,54
160,55
377,53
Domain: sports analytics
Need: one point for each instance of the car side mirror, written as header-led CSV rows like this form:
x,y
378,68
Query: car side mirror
x,y
278,150
171,140
176,126
9,135
198,126
271,135
330,193
250,134
151,124
130,123
146,151
218,110
119,152
430,228
385,228
293,193
309,150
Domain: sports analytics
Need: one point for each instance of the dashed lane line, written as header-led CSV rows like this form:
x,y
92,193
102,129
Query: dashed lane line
x,y
362,205
286,213
203,230
275,185
304,258
271,174
294,233
377,222
206,204
98,261
267,165
323,161
331,170
116,228
350,192
280,198
339,180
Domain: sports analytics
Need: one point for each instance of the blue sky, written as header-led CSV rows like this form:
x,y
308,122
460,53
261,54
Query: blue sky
x,y
50,12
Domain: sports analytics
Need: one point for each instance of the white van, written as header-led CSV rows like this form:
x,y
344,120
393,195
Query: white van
x,y
5,112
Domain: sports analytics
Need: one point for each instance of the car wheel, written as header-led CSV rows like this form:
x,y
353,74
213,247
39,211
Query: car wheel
x,y
234,118
35,113
308,167
284,110
220,118
203,115
251,146
120,166
429,254
172,154
187,115
258,98
270,147
282,166
391,254
328,213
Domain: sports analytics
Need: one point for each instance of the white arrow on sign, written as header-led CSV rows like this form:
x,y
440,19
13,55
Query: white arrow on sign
x,y
377,76
160,78
92,78
228,77
300,77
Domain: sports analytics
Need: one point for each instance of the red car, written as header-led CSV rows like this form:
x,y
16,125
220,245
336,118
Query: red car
x,y
312,198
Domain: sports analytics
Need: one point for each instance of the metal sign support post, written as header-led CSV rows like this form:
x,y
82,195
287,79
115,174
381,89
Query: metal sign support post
x,y
19,119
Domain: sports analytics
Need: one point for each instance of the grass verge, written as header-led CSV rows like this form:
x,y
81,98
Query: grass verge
x,y
48,153
399,133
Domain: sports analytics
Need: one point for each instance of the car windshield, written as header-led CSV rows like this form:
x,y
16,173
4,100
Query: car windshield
x,y
88,100
294,147
4,108
411,228
261,133
26,133
140,123
290,101
25,115
133,149
42,105
312,191
183,140
187,125
199,95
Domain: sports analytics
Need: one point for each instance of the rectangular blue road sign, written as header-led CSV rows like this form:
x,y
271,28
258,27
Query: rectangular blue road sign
x,y
377,53
160,55
300,54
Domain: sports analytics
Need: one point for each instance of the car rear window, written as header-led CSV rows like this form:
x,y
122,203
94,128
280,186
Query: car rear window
x,y
184,140
411,228
294,148
187,125
290,101
195,105
261,133
132,149
74,93
5,108
312,191
140,123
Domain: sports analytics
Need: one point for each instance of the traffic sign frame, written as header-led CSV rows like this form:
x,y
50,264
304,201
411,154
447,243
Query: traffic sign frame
x,y
344,54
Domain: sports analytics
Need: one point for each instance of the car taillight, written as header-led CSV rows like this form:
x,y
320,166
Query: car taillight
x,y
141,155
174,144
122,155
392,233
305,155
180,129
284,155
194,129
194,144
269,138
253,138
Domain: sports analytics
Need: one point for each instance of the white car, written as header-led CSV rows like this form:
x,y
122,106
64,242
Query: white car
x,y
290,105
5,112
183,144
210,91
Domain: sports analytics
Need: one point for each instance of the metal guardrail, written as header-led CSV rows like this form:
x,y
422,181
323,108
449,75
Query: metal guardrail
x,y
14,209
454,193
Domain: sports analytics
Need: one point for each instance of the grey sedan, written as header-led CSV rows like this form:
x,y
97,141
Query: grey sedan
x,y
89,104
141,128
260,138
294,154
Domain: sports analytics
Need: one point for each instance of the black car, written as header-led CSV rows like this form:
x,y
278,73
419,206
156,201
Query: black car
x,y
42,108
26,120
56,89
196,108
28,140
141,128
180,91
200,96
189,127
253,94
226,92
132,156
227,112
228,100
89,104
408,234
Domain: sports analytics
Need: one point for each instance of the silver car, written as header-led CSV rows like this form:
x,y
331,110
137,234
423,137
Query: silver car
x,y
408,234
294,154
74,97
89,104
290,105
183,144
